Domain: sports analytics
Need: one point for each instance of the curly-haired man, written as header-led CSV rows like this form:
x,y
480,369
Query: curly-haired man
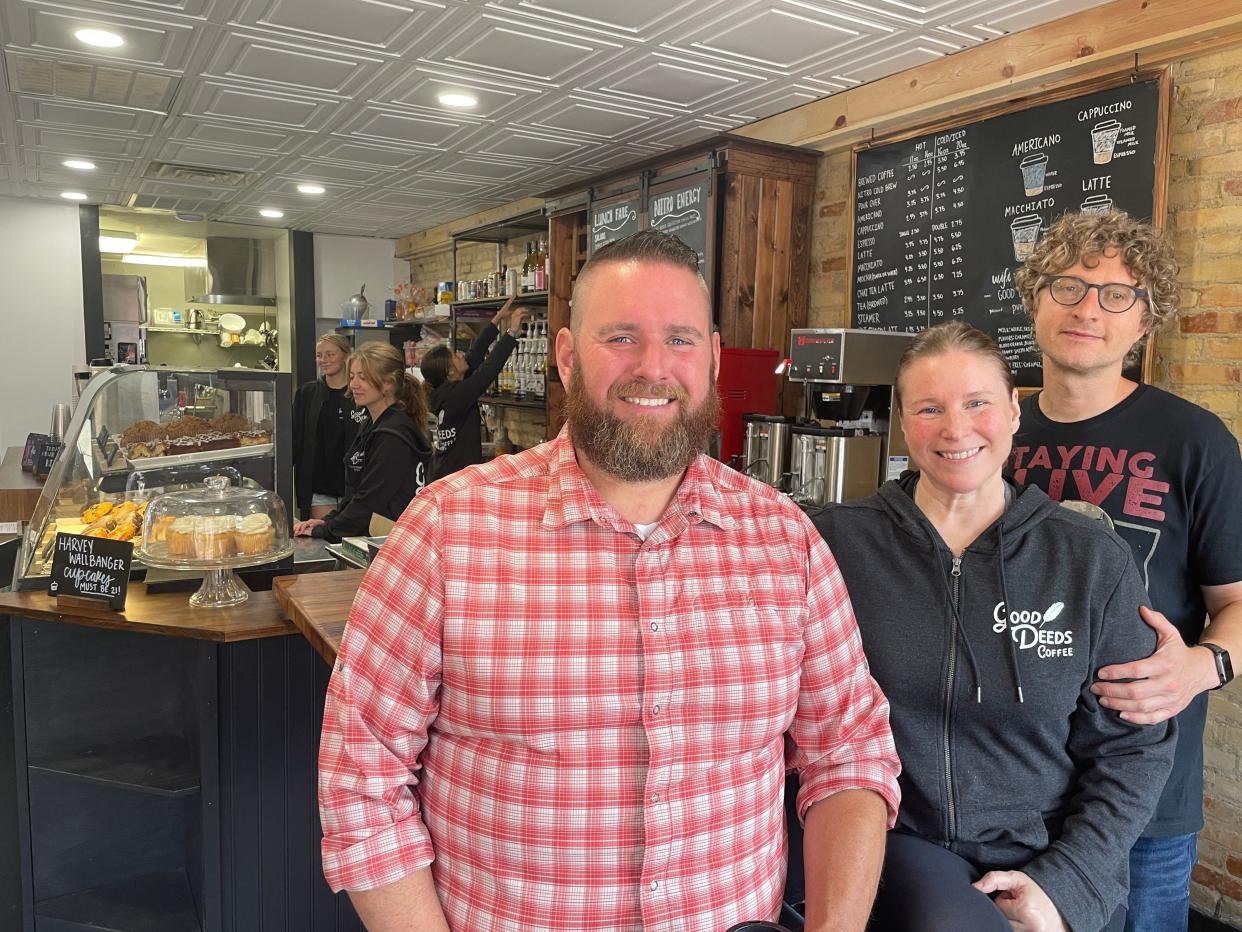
x,y
1167,474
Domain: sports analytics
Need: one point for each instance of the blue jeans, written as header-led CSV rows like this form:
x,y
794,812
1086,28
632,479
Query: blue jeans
x,y
1160,883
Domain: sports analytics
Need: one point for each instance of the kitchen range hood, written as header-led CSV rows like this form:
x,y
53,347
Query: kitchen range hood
x,y
239,271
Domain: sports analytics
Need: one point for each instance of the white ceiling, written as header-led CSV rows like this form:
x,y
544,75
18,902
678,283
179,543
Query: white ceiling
x,y
344,92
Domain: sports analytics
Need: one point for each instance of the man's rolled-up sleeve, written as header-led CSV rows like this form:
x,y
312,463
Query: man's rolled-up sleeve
x,y
840,737
381,701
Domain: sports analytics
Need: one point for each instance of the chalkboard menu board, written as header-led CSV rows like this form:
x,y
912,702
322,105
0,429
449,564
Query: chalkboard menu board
x,y
683,212
613,222
91,567
941,221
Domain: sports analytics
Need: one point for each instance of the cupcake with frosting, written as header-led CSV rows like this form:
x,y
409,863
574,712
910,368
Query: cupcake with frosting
x,y
180,536
255,534
215,537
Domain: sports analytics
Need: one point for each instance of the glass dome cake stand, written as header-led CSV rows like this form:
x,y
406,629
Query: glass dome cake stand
x,y
216,528
221,585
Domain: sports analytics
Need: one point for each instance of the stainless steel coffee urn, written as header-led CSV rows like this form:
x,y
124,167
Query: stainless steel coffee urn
x,y
849,440
766,450
831,465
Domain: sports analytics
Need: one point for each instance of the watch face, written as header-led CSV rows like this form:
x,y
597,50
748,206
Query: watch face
x,y
1224,665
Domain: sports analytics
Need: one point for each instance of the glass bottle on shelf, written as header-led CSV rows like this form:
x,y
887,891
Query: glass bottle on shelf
x,y
528,268
541,262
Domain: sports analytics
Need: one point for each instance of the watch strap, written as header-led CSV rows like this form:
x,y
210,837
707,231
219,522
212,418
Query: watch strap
x,y
1224,665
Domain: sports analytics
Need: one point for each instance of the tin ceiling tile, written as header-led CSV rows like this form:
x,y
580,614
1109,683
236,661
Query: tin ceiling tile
x,y
523,50
518,144
588,117
339,149
670,81
187,153
783,36
389,26
221,101
317,170
423,85
405,128
150,40
51,112
264,60
235,136
77,144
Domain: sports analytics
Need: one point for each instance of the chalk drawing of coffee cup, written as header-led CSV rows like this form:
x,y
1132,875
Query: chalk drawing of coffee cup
x,y
1025,230
1097,204
1033,169
1103,138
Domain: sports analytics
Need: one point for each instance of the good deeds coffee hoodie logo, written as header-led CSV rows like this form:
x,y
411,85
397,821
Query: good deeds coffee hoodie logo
x,y
1028,630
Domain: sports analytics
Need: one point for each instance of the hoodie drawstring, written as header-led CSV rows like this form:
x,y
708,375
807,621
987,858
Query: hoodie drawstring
x,y
1013,650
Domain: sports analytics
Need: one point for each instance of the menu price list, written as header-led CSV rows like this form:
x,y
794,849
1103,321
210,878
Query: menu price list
x,y
942,221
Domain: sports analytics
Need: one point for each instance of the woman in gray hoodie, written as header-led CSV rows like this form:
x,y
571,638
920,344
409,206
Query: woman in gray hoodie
x,y
985,612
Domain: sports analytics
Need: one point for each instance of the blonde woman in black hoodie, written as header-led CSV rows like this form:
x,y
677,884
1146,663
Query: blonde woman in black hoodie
x,y
985,612
325,422
387,463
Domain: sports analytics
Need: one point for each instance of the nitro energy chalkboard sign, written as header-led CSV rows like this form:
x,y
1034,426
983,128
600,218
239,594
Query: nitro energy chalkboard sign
x,y
91,568
683,212
942,221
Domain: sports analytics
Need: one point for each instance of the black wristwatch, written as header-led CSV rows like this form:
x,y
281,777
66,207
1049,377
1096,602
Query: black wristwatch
x,y
1224,666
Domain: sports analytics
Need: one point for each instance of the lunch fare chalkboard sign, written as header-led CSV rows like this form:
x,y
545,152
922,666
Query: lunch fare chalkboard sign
x,y
942,221
91,568
612,222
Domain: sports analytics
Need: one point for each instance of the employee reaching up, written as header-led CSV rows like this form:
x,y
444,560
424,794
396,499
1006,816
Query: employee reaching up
x,y
455,381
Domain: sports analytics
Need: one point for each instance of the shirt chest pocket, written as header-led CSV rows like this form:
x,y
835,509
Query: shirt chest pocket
x,y
739,651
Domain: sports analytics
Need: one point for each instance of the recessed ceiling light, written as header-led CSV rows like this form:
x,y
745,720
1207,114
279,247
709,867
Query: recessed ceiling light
x,y
100,38
271,213
185,262
79,164
73,195
311,188
116,241
458,100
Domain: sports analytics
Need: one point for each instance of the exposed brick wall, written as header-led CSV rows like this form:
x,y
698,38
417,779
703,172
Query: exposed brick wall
x,y
474,260
1198,356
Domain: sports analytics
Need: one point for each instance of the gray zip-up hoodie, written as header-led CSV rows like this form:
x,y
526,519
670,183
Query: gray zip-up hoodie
x,y
987,659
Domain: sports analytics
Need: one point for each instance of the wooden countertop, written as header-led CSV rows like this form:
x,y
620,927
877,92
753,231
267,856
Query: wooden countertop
x,y
318,604
19,491
166,613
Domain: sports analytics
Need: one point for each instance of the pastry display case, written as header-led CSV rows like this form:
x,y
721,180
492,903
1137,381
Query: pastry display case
x,y
140,432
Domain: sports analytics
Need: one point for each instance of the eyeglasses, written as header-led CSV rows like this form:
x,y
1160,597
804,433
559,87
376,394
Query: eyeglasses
x,y
1116,298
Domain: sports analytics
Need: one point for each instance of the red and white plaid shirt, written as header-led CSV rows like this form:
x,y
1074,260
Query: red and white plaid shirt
x,y
583,729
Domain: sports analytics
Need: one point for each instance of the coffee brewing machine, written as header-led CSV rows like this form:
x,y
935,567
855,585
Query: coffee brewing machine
x,y
848,440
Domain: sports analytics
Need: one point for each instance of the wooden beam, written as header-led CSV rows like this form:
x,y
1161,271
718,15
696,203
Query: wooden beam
x,y
424,241
1108,39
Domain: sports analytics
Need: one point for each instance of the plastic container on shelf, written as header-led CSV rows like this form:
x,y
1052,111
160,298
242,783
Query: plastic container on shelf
x,y
216,527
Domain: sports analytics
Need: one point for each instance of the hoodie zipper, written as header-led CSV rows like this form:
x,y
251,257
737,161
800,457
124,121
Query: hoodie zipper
x,y
950,811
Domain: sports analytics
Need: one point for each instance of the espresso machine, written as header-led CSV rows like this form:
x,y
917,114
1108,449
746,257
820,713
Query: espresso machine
x,y
848,440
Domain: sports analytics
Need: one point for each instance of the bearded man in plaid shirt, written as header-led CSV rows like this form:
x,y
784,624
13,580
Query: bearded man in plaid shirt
x,y
573,679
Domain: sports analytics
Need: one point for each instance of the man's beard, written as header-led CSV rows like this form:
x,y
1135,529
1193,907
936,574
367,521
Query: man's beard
x,y
642,448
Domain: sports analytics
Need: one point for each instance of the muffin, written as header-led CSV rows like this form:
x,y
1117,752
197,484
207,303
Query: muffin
x,y
180,536
255,534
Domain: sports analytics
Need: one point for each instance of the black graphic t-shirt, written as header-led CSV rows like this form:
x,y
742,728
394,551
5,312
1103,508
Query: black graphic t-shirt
x,y
1169,475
